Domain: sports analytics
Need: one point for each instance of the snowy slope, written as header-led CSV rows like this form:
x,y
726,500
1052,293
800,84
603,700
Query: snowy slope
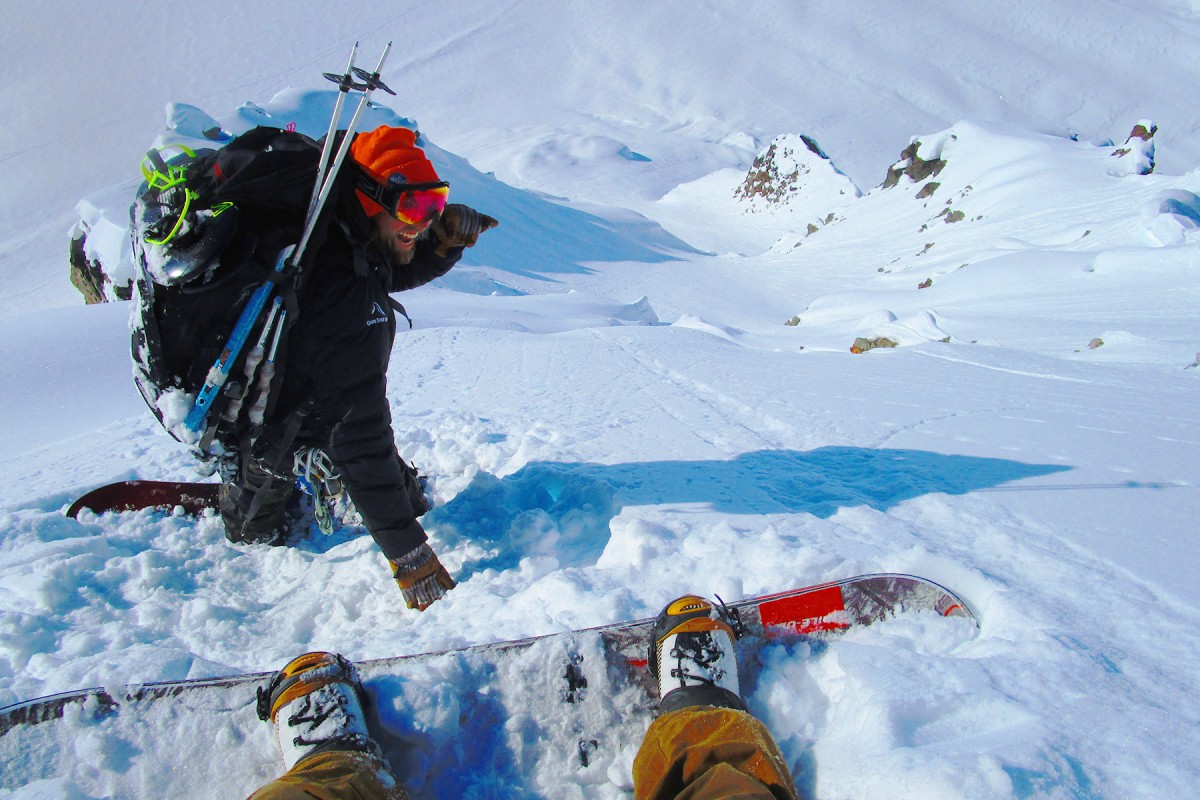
x,y
648,389
691,86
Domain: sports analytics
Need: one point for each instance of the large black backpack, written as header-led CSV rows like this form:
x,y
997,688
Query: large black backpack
x,y
206,229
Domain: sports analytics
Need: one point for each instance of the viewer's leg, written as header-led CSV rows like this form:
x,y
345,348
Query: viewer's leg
x,y
710,753
705,745
314,704
335,775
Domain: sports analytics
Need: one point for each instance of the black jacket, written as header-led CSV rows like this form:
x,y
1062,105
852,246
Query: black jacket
x,y
337,358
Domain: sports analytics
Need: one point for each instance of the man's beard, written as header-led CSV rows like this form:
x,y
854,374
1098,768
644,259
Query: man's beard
x,y
396,256
402,258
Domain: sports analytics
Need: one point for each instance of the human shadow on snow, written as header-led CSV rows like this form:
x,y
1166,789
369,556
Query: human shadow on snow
x,y
564,509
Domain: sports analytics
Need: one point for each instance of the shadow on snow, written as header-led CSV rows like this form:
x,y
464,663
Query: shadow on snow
x,y
539,238
564,510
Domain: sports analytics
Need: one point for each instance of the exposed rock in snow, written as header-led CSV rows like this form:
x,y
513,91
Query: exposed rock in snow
x,y
86,275
793,167
918,162
1136,156
863,344
101,268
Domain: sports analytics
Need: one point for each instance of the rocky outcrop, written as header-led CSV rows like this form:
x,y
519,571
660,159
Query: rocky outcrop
x,y
780,170
1136,156
863,344
86,275
917,169
101,268
793,171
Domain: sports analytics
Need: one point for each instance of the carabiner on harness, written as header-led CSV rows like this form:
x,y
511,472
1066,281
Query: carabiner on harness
x,y
317,477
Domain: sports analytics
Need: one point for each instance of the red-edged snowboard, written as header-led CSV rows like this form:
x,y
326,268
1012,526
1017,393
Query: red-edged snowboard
x,y
135,495
584,697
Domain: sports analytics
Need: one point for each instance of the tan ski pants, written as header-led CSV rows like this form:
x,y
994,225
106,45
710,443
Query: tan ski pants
x,y
696,753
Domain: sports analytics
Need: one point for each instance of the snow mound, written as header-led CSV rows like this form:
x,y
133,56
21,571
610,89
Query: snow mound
x,y
698,324
791,189
1173,218
562,151
924,326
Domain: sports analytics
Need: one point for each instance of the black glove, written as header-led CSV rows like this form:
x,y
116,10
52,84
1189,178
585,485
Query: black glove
x,y
460,226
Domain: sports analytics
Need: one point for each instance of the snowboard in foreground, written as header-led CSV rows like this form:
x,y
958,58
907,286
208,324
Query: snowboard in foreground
x,y
194,498
552,710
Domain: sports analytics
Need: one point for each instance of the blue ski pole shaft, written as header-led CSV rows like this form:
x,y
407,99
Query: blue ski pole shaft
x,y
224,364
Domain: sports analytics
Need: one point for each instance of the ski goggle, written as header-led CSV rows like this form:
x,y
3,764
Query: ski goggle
x,y
410,203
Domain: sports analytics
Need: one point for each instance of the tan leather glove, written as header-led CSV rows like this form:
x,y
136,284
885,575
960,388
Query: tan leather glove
x,y
460,226
421,577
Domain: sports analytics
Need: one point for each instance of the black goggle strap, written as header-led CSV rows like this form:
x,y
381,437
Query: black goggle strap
x,y
388,195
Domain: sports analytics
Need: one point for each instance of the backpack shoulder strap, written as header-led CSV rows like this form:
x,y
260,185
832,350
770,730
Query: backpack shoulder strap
x,y
399,309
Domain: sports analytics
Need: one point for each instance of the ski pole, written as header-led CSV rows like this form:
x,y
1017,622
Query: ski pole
x,y
372,82
345,83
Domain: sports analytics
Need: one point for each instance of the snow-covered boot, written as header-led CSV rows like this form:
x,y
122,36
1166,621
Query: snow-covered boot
x,y
314,703
692,655
253,508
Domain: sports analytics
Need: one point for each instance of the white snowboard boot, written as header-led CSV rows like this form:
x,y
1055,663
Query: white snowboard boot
x,y
692,655
314,703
